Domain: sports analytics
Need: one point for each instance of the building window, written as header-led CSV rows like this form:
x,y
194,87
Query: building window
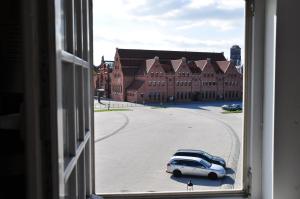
x,y
177,83
183,74
156,74
152,74
181,83
158,83
190,83
150,83
154,83
181,95
185,83
177,97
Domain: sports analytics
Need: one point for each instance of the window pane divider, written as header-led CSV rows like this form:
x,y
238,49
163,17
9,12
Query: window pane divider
x,y
70,58
75,158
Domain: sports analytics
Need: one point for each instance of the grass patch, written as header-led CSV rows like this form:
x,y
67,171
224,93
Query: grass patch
x,y
157,107
238,111
111,110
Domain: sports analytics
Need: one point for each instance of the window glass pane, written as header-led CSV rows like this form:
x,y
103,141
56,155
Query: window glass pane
x,y
195,43
68,99
67,25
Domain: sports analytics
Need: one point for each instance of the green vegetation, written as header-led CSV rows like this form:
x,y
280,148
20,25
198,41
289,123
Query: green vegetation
x,y
157,107
110,110
237,111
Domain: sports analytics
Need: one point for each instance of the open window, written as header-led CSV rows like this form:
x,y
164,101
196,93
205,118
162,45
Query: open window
x,y
122,143
71,105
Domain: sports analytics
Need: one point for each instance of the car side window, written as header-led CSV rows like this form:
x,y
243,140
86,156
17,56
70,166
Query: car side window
x,y
175,162
192,163
180,162
200,165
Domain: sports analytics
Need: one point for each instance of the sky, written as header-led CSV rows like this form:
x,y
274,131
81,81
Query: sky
x,y
184,25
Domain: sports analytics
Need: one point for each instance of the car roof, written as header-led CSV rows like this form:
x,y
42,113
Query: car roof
x,y
186,158
190,150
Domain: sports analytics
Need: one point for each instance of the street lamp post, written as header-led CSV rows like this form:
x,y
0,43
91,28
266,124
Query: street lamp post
x,y
142,96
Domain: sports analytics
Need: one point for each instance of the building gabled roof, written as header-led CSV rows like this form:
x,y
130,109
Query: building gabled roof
x,y
129,71
149,64
201,64
193,67
176,63
138,54
135,85
223,65
140,61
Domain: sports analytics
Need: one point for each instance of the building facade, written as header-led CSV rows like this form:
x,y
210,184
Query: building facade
x,y
173,76
102,79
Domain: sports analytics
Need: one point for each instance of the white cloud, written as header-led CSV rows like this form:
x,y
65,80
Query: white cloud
x,y
197,4
230,4
219,4
223,25
117,25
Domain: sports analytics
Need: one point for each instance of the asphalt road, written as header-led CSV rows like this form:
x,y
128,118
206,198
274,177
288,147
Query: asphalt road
x,y
133,147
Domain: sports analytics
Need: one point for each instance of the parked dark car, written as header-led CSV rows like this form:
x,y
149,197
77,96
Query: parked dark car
x,y
201,154
232,107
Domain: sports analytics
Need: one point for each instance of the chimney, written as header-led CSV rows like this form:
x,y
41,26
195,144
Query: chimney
x,y
183,59
156,58
208,60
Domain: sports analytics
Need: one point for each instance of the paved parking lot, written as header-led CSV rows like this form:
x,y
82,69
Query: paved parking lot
x,y
133,147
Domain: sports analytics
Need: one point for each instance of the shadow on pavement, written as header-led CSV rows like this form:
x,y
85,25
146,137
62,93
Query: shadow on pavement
x,y
229,171
204,181
195,105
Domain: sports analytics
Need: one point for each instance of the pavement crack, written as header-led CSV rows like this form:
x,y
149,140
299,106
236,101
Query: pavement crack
x,y
115,131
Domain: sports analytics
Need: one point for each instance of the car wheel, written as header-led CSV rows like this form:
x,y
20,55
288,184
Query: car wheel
x,y
212,176
177,173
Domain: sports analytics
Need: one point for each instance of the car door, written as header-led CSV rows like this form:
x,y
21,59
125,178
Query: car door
x,y
191,167
200,169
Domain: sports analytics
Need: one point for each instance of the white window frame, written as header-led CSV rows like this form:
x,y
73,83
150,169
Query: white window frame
x,y
253,78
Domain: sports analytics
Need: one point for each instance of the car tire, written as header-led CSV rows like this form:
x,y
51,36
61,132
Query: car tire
x,y
177,173
212,176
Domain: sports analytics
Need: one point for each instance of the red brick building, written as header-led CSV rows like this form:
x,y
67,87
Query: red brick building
x,y
102,79
180,76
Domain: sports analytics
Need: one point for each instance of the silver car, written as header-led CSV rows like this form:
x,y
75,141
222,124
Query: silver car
x,y
184,165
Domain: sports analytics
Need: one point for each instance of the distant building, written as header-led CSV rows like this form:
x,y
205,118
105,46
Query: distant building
x,y
173,76
235,55
103,79
240,68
